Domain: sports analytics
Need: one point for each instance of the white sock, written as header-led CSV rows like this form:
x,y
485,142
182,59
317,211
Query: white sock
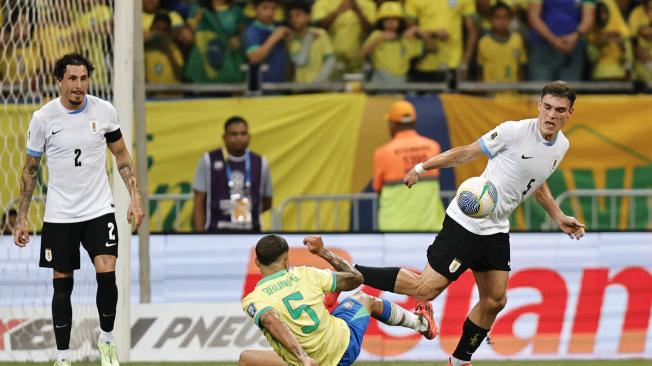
x,y
458,362
404,318
106,337
63,354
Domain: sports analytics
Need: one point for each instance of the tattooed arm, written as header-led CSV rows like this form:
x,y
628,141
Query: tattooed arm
x,y
347,276
128,173
27,185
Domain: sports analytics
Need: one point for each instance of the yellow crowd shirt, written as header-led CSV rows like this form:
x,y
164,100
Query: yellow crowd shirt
x,y
609,59
158,68
637,19
320,49
346,33
297,297
442,14
500,59
393,56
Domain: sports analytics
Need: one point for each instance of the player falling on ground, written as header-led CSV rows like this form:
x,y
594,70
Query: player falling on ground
x,y
73,131
288,306
522,155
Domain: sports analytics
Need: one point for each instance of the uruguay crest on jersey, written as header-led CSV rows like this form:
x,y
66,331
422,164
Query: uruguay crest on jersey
x,y
94,126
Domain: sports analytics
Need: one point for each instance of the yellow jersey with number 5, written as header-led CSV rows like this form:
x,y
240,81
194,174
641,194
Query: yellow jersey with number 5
x,y
297,297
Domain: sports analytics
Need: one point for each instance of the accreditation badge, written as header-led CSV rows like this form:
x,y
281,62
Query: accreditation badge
x,y
240,209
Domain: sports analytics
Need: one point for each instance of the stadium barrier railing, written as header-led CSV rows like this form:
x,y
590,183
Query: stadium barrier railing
x,y
592,220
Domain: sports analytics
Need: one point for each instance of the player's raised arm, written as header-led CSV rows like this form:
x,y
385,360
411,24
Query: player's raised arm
x,y
347,276
135,213
567,224
280,332
447,159
27,185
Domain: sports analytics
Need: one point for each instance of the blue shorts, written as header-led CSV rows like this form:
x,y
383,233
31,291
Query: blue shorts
x,y
356,317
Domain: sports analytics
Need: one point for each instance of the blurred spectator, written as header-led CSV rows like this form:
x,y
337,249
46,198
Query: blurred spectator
x,y
609,49
95,27
640,26
264,44
150,9
557,42
180,6
392,47
279,13
441,23
403,209
348,22
518,7
163,59
9,221
310,48
57,34
233,185
21,58
501,54
217,54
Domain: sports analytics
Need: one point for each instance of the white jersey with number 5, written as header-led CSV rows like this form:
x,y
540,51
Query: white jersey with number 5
x,y
75,146
520,160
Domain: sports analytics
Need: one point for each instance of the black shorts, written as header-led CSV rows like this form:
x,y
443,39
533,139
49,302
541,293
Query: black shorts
x,y
60,241
455,249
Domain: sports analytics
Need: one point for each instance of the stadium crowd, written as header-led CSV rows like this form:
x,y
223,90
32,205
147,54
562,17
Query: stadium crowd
x,y
308,41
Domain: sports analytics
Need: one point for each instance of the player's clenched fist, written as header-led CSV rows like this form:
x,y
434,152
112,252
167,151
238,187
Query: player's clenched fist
x,y
314,244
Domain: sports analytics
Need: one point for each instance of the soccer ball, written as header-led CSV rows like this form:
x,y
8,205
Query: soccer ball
x,y
477,197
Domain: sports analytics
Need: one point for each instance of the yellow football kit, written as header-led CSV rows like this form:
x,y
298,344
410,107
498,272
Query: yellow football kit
x,y
297,297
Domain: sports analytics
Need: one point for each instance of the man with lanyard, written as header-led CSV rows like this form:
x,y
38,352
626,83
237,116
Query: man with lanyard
x,y
232,184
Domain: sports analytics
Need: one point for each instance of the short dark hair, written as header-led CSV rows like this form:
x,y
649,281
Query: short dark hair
x,y
500,5
233,120
71,59
270,248
9,212
559,89
162,16
298,5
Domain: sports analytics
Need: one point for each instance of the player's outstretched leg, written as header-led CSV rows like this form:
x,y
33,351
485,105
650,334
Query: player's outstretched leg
x,y
107,300
62,315
392,314
425,287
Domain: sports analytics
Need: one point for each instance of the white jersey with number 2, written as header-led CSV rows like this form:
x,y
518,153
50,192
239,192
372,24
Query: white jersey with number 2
x,y
520,160
75,147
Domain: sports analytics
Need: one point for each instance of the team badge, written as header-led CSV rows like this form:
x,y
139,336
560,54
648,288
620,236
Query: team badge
x,y
454,266
218,165
251,310
348,305
555,163
48,254
94,126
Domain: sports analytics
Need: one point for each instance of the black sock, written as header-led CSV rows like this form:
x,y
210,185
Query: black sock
x,y
62,311
472,337
106,299
382,278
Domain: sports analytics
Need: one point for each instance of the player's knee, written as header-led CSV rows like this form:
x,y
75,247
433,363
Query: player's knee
x,y
494,304
428,292
63,286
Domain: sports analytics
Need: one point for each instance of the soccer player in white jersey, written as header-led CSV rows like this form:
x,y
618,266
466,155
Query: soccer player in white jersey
x,y
522,155
73,131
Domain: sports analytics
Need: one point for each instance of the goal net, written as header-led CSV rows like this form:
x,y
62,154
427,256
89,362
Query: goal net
x,y
33,34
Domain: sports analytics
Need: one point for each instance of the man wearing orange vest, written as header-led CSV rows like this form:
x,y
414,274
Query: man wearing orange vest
x,y
402,209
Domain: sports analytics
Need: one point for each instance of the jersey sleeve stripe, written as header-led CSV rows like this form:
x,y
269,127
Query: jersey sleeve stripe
x,y
34,153
260,313
334,286
484,148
